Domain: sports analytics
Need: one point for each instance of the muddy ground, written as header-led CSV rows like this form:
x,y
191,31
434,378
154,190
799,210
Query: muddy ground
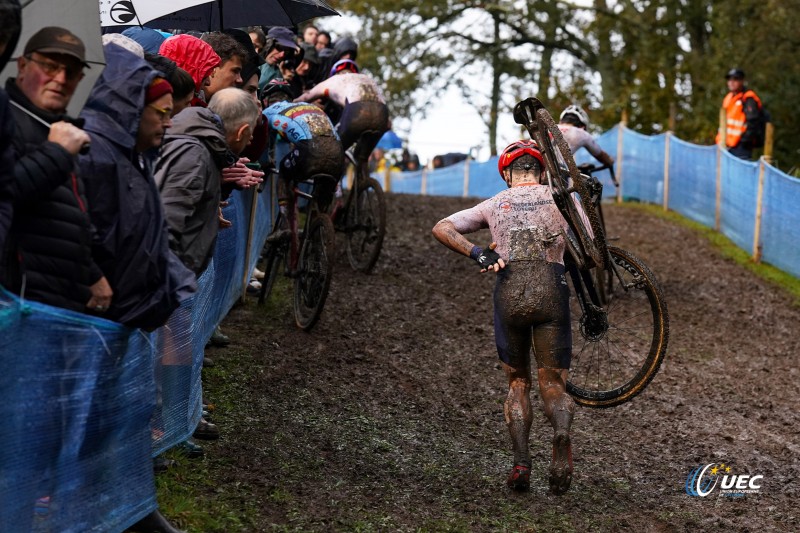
x,y
388,416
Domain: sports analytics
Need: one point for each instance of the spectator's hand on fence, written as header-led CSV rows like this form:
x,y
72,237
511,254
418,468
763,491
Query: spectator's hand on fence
x,y
241,175
70,137
223,222
488,259
101,296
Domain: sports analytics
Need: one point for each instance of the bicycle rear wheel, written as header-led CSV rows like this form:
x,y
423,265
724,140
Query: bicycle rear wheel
x,y
314,272
365,224
569,187
618,351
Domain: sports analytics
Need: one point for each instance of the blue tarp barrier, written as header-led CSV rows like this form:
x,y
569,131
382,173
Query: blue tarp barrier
x,y
90,402
690,187
693,181
780,222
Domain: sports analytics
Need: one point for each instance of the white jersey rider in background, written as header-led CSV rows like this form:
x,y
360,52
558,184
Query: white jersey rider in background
x,y
573,123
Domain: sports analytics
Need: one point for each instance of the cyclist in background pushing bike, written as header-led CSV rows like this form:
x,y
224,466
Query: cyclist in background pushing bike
x,y
531,302
573,123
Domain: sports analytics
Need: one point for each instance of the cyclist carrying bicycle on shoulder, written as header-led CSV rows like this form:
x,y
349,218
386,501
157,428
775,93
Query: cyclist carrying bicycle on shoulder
x,y
305,140
531,302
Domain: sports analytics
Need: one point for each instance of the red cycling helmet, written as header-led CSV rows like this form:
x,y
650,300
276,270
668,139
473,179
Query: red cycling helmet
x,y
516,150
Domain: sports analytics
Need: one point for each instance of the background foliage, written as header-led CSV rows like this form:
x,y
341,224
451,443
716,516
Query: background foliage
x,y
661,61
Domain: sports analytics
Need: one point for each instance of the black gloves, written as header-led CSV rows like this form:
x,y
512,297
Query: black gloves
x,y
485,258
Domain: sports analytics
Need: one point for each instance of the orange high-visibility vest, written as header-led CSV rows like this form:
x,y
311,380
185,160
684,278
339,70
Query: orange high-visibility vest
x,y
736,124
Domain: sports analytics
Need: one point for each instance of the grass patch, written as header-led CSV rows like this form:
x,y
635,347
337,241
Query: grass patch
x,y
179,497
729,250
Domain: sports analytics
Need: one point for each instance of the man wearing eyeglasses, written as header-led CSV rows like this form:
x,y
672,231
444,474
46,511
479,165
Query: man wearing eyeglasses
x,y
47,253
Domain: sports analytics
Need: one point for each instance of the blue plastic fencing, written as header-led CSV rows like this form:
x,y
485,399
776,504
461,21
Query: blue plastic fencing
x,y
702,183
88,402
780,223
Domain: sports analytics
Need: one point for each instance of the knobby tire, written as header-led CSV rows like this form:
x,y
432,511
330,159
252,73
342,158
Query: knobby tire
x,y
614,369
365,224
314,272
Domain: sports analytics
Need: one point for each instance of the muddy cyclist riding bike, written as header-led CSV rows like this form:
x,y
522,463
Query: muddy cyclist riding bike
x,y
308,157
364,119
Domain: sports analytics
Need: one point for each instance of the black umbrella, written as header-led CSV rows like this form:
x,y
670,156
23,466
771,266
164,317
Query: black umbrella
x,y
221,14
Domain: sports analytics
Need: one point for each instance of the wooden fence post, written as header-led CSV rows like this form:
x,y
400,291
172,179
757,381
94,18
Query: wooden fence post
x,y
466,177
250,229
387,177
768,142
721,145
622,125
424,185
759,210
666,171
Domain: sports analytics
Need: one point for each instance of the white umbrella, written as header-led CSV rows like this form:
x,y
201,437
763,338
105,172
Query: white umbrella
x,y
78,16
138,12
211,15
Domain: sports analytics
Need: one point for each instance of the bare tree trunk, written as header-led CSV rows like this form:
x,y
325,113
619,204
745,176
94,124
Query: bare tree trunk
x,y
605,59
495,98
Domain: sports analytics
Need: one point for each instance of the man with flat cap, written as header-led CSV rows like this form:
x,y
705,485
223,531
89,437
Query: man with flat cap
x,y
48,250
744,123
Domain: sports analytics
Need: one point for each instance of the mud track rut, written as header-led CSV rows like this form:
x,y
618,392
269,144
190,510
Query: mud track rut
x,y
388,415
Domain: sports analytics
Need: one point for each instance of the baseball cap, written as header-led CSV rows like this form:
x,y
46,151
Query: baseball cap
x,y
310,53
55,40
735,73
283,37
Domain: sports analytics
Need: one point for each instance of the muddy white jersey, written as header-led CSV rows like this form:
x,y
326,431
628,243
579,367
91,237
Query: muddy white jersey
x,y
578,138
344,88
524,222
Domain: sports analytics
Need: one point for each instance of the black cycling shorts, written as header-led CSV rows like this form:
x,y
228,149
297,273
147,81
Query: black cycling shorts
x,y
365,122
320,155
531,307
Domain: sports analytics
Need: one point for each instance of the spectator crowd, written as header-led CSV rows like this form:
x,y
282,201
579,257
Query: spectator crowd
x,y
115,213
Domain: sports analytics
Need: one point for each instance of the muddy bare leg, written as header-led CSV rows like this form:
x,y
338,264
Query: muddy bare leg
x,y
519,417
518,413
559,409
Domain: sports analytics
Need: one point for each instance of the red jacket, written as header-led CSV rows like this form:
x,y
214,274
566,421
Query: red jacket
x,y
192,55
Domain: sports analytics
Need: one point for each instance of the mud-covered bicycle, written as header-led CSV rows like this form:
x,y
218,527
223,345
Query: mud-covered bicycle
x,y
307,256
620,338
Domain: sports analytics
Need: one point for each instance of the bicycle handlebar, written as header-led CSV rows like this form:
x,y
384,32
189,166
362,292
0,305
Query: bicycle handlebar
x,y
589,168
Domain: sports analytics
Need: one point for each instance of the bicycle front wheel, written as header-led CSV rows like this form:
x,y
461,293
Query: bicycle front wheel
x,y
365,224
314,272
618,351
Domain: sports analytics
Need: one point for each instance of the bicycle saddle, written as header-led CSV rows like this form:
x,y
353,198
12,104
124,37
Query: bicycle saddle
x,y
525,111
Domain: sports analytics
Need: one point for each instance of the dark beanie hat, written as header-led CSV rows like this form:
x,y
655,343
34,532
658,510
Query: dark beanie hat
x,y
158,88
